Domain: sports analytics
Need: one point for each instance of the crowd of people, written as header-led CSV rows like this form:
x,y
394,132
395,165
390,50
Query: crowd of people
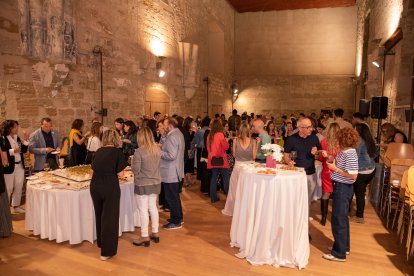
x,y
163,153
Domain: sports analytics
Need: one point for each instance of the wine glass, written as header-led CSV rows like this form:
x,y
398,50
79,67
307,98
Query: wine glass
x,y
61,163
46,167
330,159
293,155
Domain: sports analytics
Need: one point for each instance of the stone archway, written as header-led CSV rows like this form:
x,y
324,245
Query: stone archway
x,y
156,100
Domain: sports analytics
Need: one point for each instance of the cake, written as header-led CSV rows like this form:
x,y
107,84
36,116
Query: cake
x,y
77,173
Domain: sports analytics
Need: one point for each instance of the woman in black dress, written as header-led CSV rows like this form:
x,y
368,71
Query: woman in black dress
x,y
77,143
108,163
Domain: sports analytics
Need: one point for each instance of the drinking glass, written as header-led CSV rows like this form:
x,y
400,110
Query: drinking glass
x,y
46,167
61,163
330,159
293,155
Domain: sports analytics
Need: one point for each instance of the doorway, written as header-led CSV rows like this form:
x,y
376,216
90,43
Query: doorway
x,y
156,100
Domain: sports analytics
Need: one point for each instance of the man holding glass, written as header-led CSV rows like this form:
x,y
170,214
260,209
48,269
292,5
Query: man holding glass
x,y
45,143
303,147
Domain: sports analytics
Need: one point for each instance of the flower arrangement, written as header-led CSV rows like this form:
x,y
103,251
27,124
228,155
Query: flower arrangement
x,y
273,150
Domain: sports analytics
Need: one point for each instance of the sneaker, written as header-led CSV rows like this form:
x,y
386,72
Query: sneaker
x,y
182,221
104,258
172,226
330,249
359,220
19,210
333,258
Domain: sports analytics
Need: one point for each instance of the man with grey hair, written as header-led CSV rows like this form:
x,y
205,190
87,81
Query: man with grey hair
x,y
172,171
306,145
263,138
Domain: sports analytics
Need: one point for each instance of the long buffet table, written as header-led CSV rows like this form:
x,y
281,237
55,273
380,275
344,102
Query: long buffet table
x,y
57,210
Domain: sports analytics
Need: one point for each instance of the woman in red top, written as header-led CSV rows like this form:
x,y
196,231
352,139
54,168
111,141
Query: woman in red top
x,y
217,158
329,151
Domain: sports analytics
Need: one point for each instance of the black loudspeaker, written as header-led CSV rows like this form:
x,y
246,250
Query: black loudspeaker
x,y
364,107
379,107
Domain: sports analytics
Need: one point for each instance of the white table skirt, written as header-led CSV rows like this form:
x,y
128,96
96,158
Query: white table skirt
x,y
270,219
65,215
231,195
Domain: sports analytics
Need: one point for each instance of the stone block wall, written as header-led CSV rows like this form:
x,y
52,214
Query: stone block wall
x,y
47,67
296,60
283,95
385,16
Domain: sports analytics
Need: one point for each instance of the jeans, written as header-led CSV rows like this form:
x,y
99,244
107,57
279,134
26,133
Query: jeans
x,y
360,187
172,196
311,178
342,194
147,204
213,182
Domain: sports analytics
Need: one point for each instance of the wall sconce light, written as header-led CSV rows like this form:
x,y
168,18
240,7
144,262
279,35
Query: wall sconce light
x,y
376,63
376,41
234,89
159,66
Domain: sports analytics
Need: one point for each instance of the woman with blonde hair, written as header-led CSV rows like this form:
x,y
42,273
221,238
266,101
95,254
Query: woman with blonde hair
x,y
108,163
147,179
244,150
329,151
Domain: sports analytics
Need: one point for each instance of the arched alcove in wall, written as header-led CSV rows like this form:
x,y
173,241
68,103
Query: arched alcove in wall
x,y
156,100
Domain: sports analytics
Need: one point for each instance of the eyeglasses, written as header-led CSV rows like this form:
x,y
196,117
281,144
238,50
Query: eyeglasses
x,y
307,127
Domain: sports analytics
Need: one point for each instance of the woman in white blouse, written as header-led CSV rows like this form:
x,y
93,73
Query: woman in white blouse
x,y
14,147
94,142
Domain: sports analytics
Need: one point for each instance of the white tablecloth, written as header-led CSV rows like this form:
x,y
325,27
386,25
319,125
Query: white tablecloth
x,y
65,215
270,218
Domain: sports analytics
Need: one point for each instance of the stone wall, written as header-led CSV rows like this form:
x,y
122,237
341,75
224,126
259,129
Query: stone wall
x,y
385,16
47,67
296,60
278,95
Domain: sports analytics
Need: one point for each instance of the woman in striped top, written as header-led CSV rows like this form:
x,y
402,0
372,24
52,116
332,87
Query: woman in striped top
x,y
344,173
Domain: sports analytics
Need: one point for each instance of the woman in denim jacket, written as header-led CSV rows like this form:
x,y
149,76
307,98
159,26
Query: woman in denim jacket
x,y
367,152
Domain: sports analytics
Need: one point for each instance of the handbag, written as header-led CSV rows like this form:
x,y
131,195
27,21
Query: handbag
x,y
217,161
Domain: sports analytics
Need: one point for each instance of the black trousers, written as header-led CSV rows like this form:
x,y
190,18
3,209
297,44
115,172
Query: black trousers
x,y
360,187
106,203
172,196
205,176
161,198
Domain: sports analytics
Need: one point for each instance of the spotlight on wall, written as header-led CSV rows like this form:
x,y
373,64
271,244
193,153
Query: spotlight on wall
x,y
159,66
234,89
376,63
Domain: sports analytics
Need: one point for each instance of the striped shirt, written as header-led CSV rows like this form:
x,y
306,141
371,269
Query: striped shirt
x,y
346,160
